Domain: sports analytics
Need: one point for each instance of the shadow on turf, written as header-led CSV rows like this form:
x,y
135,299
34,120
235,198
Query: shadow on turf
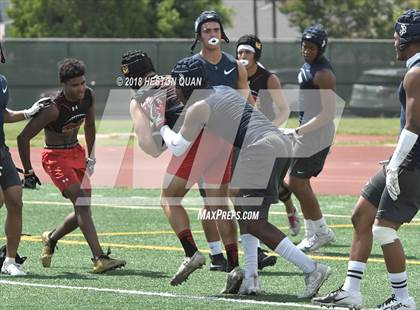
x,y
279,273
141,273
272,297
66,275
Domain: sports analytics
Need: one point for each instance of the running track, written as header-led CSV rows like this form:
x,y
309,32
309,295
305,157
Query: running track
x,y
347,168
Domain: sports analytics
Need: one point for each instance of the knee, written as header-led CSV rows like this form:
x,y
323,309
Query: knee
x,y
384,235
14,207
297,185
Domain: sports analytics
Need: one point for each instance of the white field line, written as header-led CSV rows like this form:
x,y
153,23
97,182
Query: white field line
x,y
161,294
157,207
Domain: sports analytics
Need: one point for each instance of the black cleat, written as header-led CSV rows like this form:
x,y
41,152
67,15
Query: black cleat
x,y
265,260
218,262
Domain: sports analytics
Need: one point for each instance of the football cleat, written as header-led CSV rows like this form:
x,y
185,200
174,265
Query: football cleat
x,y
340,298
393,303
12,269
318,240
218,262
233,281
48,248
315,279
265,260
250,286
188,266
105,263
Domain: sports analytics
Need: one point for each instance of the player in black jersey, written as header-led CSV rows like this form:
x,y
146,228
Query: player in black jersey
x,y
266,90
64,159
182,172
10,184
314,134
222,69
392,196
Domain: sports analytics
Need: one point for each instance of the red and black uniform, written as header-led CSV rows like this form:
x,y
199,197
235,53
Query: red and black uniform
x,y
257,82
66,164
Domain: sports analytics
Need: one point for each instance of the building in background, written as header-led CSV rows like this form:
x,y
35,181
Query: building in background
x,y
243,20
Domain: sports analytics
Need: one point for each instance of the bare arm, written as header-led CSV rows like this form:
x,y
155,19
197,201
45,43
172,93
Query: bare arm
x,y
90,129
274,87
143,130
38,123
196,117
325,80
412,91
242,84
11,116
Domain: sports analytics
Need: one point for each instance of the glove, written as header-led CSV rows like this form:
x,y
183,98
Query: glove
x,y
30,179
291,133
36,107
392,184
90,165
154,108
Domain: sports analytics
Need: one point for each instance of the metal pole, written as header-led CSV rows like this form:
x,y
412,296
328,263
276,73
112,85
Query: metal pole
x,y
255,18
274,9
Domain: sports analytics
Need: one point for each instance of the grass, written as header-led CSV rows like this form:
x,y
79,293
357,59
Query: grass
x,y
116,132
144,238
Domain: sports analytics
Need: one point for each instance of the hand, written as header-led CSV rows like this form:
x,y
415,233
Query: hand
x,y
90,165
392,184
291,133
154,108
36,107
30,179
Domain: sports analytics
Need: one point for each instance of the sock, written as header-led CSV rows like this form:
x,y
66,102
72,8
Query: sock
x,y
320,226
232,254
354,276
309,230
399,284
187,242
9,260
215,247
289,251
250,245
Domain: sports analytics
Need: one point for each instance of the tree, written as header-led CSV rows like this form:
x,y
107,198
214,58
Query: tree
x,y
345,19
109,18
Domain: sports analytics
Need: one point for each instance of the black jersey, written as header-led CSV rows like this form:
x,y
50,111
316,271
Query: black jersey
x,y
223,73
4,99
310,102
71,114
415,151
257,82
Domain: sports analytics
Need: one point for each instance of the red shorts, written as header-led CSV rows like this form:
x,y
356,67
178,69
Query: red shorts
x,y
209,158
66,167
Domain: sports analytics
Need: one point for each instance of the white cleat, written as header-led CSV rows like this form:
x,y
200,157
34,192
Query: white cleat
x,y
315,279
188,266
304,243
319,240
250,286
233,281
340,298
393,303
13,269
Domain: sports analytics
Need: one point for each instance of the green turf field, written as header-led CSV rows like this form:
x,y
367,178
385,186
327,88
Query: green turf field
x,y
141,235
114,132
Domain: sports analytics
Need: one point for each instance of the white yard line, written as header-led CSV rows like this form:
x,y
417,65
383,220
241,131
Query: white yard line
x,y
161,294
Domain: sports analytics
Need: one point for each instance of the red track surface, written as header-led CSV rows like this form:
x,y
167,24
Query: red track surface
x,y
346,171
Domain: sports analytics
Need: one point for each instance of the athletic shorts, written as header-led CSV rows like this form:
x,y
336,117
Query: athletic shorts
x,y
208,158
66,167
406,206
306,168
260,169
8,174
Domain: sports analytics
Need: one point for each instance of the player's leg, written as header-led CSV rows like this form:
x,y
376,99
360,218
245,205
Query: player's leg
x,y
173,191
317,232
285,196
13,229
